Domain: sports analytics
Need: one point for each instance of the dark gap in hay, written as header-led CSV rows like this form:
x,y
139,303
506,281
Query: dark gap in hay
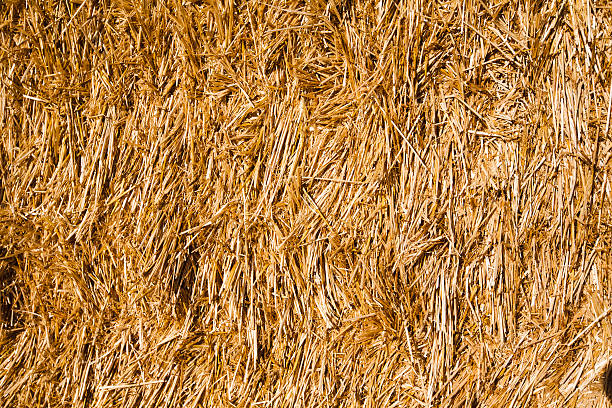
x,y
341,11
183,281
10,299
606,382
12,10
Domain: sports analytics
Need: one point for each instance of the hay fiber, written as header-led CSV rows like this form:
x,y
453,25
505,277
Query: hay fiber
x,y
305,203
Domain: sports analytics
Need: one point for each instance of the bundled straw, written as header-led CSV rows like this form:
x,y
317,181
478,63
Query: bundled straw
x,y
305,203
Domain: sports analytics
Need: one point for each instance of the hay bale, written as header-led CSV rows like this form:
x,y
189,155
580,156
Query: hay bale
x,y
304,203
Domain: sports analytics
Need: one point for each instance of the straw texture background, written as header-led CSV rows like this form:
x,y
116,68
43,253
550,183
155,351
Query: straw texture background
x,y
305,203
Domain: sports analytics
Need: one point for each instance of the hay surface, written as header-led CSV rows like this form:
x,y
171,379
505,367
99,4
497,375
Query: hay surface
x,y
305,203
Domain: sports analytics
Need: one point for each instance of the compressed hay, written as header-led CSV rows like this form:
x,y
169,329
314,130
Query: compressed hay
x,y
304,203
